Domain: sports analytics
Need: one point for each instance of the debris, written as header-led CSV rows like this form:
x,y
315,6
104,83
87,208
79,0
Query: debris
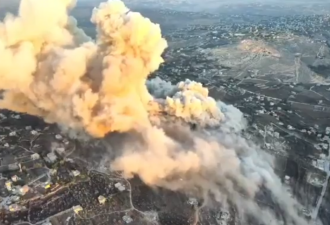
x,y
6,145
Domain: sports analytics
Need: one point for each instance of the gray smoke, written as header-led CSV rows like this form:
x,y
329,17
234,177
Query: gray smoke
x,y
50,68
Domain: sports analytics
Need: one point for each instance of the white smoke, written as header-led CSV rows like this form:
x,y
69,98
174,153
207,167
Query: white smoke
x,y
51,69
187,100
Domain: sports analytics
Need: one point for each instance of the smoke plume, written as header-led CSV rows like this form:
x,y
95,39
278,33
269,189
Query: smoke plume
x,y
50,68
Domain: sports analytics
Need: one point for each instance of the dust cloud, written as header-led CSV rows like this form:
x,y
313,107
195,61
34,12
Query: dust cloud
x,y
50,68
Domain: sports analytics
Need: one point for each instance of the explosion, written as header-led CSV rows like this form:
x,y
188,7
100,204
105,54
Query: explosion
x,y
51,69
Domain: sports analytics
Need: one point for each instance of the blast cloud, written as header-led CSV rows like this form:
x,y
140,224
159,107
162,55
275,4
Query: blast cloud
x,y
51,69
